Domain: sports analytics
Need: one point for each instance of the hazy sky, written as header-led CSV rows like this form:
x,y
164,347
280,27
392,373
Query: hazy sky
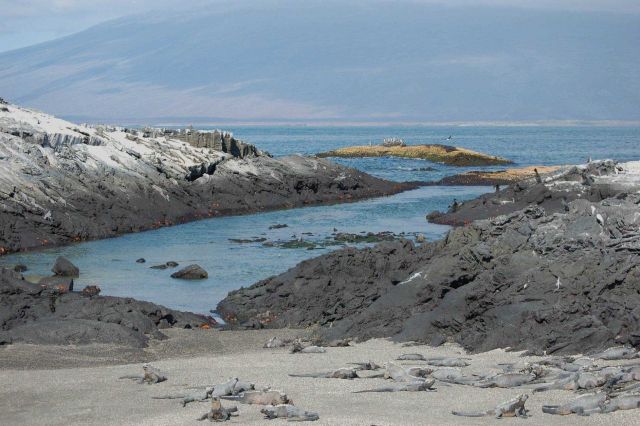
x,y
27,22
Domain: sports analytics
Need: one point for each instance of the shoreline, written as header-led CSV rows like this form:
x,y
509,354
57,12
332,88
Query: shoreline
x,y
195,217
62,182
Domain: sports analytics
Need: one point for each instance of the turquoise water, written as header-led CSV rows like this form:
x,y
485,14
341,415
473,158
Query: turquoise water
x,y
111,263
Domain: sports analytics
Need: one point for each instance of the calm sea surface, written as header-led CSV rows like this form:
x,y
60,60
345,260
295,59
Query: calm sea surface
x,y
111,263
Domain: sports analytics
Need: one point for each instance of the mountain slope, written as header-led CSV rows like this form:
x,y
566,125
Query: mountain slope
x,y
348,60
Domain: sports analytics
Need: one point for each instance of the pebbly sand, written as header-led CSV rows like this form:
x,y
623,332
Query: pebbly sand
x,y
48,385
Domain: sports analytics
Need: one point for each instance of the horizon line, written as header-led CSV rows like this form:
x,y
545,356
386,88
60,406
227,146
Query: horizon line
x,y
202,122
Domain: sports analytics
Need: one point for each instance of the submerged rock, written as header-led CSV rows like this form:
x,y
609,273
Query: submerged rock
x,y
191,272
279,226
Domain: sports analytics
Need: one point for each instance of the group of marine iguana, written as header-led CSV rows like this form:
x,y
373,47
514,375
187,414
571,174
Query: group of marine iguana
x,y
276,404
603,389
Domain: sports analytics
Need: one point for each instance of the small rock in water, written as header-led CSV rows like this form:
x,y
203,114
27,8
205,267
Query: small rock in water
x,y
141,260
20,267
162,266
171,264
279,226
64,268
247,240
191,272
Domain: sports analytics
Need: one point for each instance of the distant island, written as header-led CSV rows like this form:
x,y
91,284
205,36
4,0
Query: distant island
x,y
450,155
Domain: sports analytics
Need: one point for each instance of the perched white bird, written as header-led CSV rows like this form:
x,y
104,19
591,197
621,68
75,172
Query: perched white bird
x,y
558,284
47,216
600,219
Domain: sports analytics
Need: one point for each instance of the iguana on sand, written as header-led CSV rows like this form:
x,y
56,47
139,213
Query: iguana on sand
x,y
298,347
583,406
218,413
415,386
628,401
151,375
341,373
196,395
506,380
263,397
512,408
289,412
617,353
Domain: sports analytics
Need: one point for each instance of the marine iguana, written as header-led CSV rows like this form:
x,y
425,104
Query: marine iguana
x,y
289,412
574,381
622,402
447,362
583,405
415,386
366,366
276,342
400,374
298,347
512,408
263,397
196,395
411,357
218,413
232,387
617,353
341,373
151,375
453,375
506,380
568,363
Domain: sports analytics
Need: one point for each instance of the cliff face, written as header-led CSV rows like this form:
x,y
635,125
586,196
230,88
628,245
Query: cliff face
x,y
61,182
217,140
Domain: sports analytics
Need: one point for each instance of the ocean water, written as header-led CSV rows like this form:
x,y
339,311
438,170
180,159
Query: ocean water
x,y
111,264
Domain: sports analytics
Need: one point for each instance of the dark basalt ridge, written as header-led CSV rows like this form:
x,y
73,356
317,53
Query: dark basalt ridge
x,y
548,278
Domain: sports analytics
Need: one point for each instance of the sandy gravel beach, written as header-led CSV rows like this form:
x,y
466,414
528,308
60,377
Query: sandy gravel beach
x,y
36,391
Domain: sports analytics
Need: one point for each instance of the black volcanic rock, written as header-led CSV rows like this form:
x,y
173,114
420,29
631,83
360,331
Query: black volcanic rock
x,y
191,272
30,313
537,279
64,268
